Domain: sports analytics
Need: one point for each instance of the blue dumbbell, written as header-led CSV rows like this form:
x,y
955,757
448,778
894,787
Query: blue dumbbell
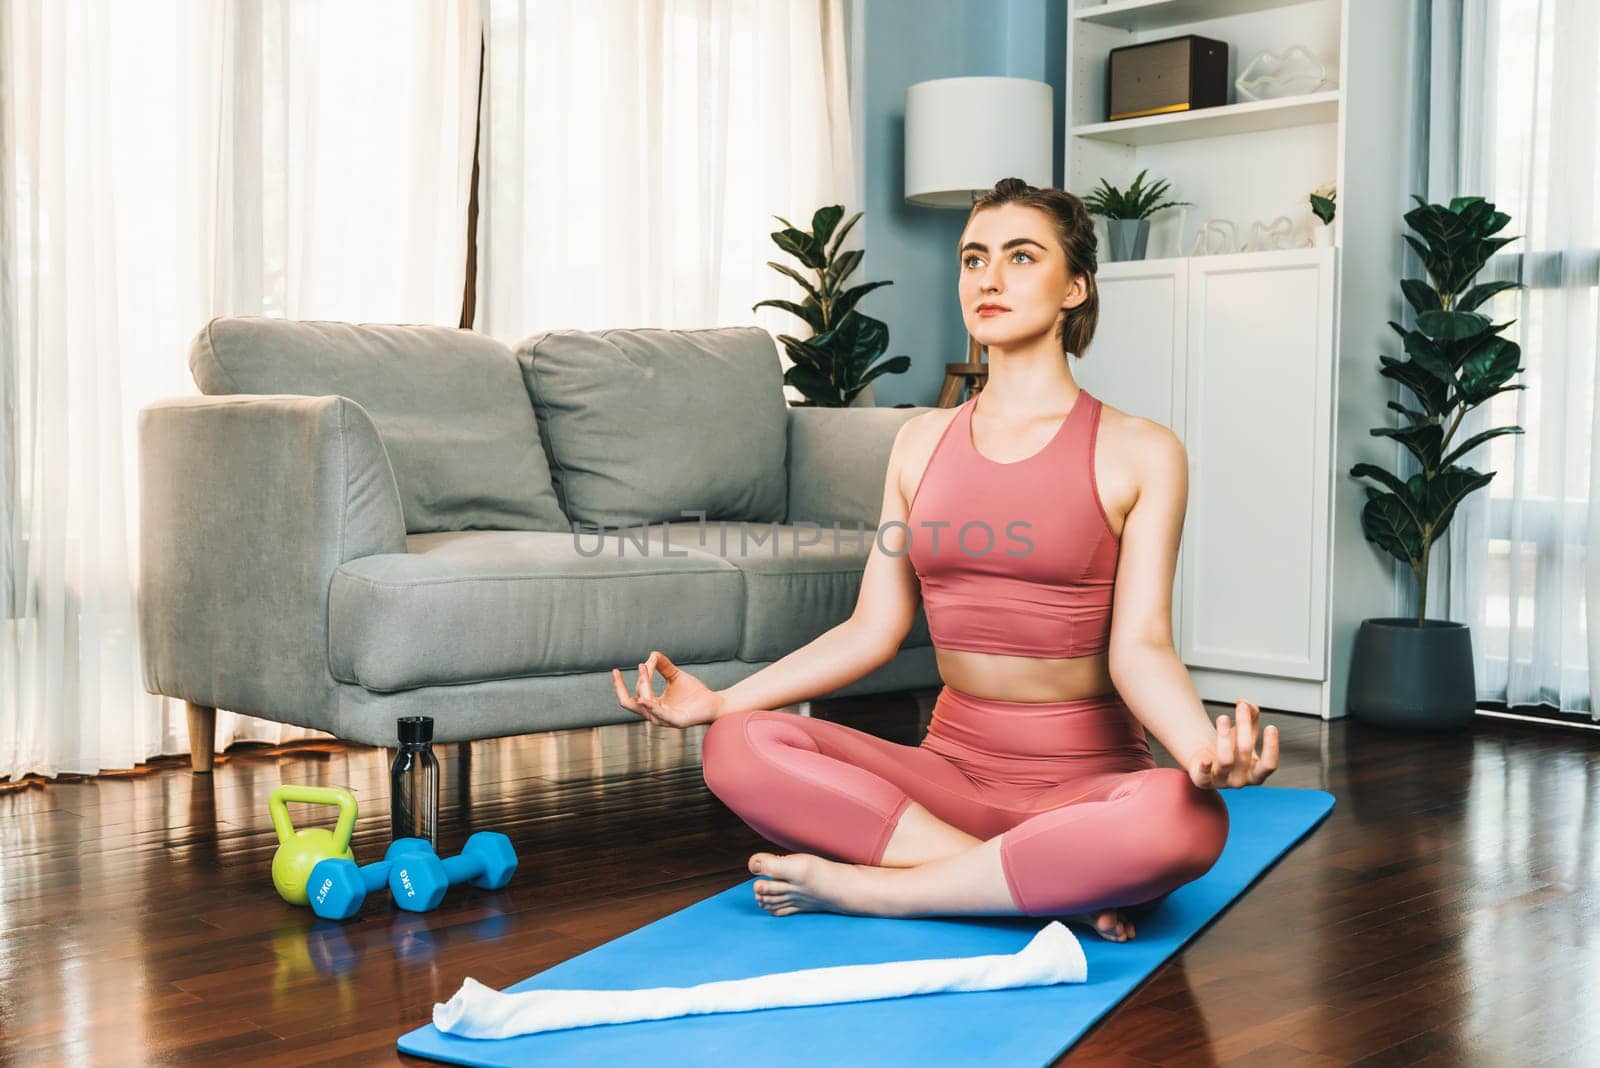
x,y
337,887
418,881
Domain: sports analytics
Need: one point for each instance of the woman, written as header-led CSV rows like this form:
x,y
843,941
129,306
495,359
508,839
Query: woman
x,y
1040,530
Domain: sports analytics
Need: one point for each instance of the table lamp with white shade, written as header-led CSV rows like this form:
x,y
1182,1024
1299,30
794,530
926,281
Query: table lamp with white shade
x,y
962,136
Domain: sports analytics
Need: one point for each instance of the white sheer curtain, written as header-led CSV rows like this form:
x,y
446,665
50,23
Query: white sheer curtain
x,y
635,153
164,162
1514,116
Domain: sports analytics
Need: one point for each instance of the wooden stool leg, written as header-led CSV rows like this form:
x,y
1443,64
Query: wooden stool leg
x,y
202,737
959,377
950,392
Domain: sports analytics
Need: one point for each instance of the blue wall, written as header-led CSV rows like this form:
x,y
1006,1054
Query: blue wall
x,y
909,41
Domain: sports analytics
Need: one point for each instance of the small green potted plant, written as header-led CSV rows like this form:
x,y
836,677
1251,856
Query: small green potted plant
x,y
1127,214
1322,206
1418,672
835,366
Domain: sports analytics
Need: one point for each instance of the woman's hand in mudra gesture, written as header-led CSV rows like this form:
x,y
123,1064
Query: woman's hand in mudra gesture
x,y
1231,760
687,701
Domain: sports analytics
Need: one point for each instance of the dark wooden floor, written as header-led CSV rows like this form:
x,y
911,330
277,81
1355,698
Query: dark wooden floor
x,y
1442,915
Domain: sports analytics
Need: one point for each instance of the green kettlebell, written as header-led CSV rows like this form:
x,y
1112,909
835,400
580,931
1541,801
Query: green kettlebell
x,y
299,851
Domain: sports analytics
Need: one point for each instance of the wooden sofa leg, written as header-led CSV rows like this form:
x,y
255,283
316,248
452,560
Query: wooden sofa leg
x,y
202,737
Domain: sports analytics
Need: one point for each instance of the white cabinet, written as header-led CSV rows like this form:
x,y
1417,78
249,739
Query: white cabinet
x,y
1257,429
1135,362
1235,354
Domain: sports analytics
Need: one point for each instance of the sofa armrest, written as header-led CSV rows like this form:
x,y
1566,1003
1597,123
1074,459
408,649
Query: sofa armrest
x,y
837,460
247,505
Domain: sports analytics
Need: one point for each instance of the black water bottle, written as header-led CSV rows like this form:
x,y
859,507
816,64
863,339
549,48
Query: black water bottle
x,y
414,781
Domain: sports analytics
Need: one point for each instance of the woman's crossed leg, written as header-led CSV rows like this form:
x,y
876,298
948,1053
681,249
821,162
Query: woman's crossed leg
x,y
896,830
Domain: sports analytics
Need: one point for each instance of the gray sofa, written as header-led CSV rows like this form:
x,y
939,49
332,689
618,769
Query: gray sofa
x,y
361,522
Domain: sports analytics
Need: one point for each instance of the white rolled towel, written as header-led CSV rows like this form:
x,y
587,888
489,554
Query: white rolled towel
x,y
477,1011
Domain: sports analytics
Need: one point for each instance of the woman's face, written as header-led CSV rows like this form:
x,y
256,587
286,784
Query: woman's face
x,y
1011,257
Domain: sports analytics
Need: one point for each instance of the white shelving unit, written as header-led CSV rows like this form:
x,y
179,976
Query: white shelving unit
x,y
1265,362
1164,14
1245,160
1252,116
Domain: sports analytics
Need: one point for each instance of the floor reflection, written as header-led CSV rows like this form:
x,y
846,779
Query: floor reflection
x,y
1440,912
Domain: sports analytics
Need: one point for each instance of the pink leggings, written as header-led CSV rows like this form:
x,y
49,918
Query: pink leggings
x,y
1085,817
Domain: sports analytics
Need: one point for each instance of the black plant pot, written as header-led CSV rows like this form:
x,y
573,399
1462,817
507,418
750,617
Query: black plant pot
x,y
1403,675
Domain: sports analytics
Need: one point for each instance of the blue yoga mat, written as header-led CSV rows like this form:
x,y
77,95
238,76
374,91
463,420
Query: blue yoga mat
x,y
729,936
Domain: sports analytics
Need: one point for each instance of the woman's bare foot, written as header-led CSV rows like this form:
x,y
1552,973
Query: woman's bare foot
x,y
802,882
1110,924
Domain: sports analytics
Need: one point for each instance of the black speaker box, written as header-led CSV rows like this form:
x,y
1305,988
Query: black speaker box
x,y
1177,74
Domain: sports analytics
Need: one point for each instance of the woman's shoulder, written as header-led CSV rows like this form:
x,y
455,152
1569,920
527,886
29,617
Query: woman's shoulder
x,y
927,426
1135,430
1141,445
913,448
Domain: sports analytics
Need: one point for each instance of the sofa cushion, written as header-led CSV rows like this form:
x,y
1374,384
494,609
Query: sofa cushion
x,y
799,581
838,459
448,404
643,425
476,605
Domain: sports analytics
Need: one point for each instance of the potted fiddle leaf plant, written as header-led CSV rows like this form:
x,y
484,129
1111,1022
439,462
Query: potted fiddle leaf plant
x,y
835,366
1127,214
1418,672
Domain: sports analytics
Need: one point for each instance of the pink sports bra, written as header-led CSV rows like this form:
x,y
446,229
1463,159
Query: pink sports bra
x,y
1015,558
